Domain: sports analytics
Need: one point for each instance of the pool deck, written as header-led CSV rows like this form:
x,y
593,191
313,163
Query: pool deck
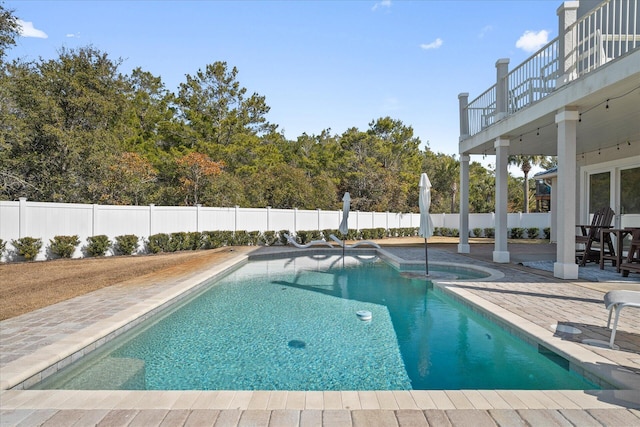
x,y
530,303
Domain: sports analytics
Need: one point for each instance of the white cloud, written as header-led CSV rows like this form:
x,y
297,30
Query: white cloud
x,y
486,29
433,45
26,29
383,3
71,36
531,41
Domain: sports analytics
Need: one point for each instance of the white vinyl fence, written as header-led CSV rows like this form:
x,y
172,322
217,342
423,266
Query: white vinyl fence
x,y
45,220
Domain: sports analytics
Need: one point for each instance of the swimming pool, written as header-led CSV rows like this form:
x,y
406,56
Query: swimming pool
x,y
291,324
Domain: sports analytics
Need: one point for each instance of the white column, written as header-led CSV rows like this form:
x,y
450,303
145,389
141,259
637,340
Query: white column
x,y
463,101
567,35
565,266
501,253
463,245
554,209
502,71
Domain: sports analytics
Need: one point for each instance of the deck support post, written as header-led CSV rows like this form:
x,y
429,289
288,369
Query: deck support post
x,y
463,245
501,252
565,266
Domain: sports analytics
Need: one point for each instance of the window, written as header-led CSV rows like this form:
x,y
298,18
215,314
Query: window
x,y
630,191
599,191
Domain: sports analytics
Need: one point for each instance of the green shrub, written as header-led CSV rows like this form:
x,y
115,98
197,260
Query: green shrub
x,y
533,232
241,238
547,233
254,238
477,232
353,235
281,236
516,233
126,244
490,232
64,246
215,239
380,233
303,237
193,241
367,234
3,246
269,238
328,232
97,245
28,247
159,242
178,241
437,231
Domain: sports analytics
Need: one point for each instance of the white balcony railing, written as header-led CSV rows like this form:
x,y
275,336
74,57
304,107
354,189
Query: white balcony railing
x,y
482,111
609,31
533,79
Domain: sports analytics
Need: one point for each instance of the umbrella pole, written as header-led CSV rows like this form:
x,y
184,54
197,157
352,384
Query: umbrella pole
x,y
426,256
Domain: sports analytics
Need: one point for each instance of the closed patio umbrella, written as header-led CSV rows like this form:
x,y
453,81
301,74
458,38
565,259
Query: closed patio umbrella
x,y
426,226
344,224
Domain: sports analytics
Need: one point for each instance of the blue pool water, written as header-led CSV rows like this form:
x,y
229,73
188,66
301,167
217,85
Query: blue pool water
x,y
291,324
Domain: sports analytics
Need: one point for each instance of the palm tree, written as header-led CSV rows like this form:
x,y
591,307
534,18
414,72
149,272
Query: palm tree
x,y
526,163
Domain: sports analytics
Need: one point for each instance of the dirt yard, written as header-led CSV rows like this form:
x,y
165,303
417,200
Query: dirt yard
x,y
27,286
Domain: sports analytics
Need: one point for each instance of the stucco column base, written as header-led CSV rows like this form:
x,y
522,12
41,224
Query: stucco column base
x,y
565,271
464,248
501,256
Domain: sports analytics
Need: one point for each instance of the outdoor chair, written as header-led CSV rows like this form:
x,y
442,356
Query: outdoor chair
x,y
617,300
632,262
590,235
359,243
293,241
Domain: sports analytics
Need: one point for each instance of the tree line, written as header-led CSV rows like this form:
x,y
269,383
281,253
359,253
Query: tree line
x,y
75,129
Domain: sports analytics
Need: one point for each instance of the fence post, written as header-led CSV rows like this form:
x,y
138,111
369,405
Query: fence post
x,y
94,219
268,215
198,223
318,209
235,218
151,209
22,217
295,220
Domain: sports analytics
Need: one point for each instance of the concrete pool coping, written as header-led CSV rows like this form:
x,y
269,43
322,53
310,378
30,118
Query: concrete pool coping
x,y
65,350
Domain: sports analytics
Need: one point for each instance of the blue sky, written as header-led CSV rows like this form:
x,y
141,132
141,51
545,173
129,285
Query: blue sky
x,y
320,64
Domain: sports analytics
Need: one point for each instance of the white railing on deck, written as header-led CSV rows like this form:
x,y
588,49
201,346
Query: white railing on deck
x,y
482,111
608,32
533,79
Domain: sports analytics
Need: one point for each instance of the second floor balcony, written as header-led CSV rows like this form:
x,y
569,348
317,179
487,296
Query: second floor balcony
x,y
607,32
